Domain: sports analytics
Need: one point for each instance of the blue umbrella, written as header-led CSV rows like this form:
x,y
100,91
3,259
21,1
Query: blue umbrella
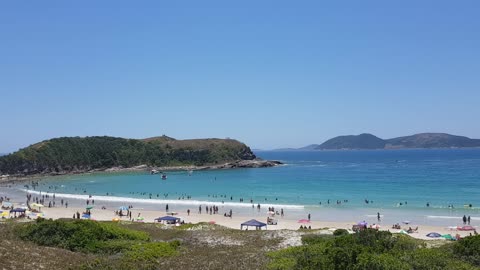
x,y
123,208
85,216
434,235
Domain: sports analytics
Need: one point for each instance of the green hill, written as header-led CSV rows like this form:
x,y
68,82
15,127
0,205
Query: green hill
x,y
76,154
432,140
421,140
362,141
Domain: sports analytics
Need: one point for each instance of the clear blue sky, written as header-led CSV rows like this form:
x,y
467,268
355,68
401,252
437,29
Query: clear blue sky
x,y
268,73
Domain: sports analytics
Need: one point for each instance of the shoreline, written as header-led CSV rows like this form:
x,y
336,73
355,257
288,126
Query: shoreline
x,y
325,219
234,222
256,163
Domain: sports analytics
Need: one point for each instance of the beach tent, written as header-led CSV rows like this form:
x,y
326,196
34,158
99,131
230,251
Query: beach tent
x,y
434,235
123,208
18,210
86,216
253,223
168,219
7,204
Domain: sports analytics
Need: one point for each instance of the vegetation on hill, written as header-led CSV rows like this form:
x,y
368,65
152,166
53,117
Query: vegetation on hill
x,y
376,250
84,244
135,247
432,140
422,140
362,141
69,154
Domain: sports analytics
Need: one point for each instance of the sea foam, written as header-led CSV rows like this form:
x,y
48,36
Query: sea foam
x,y
127,200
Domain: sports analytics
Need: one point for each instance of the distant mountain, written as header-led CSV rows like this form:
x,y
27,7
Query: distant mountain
x,y
432,140
362,141
309,147
369,141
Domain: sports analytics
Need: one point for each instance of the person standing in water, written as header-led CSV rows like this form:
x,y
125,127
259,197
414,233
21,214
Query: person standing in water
x,y
378,216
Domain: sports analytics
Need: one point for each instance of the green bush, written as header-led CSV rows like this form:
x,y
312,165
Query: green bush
x,y
468,249
149,252
374,250
339,232
78,235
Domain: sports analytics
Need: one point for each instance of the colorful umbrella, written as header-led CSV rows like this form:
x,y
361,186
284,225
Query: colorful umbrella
x,y
304,221
448,237
362,223
434,235
89,207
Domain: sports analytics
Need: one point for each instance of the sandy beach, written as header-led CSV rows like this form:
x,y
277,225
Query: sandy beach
x,y
283,223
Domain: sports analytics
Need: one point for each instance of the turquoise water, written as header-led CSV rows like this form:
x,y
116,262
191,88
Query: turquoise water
x,y
308,180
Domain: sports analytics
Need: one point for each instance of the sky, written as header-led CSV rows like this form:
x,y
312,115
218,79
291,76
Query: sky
x,y
271,74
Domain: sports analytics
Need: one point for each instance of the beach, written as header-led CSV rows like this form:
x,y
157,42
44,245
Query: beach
x,y
106,211
429,189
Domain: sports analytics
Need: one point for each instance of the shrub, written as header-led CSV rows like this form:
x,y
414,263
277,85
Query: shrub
x,y
468,249
340,232
78,235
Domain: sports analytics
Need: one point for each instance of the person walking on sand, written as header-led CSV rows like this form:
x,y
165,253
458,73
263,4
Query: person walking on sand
x,y
308,216
166,208
188,212
378,216
468,220
464,219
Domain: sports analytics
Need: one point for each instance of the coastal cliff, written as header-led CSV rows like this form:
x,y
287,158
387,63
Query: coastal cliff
x,y
84,154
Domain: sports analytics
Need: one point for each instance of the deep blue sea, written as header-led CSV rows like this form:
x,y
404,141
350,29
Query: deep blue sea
x,y
395,182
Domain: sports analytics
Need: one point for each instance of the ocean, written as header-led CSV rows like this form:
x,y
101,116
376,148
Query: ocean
x,y
331,185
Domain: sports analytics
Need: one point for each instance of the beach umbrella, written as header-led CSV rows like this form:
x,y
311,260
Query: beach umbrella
x,y
467,228
115,220
86,216
4,214
362,223
304,221
123,208
139,219
448,237
406,222
36,205
212,222
403,232
434,235
89,207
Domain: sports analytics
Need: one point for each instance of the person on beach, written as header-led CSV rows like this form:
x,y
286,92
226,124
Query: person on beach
x,y
308,216
200,209
281,212
464,219
468,220
378,216
66,204
166,208
188,212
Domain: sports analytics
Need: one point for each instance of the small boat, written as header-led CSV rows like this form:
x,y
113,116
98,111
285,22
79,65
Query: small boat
x,y
154,172
164,177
